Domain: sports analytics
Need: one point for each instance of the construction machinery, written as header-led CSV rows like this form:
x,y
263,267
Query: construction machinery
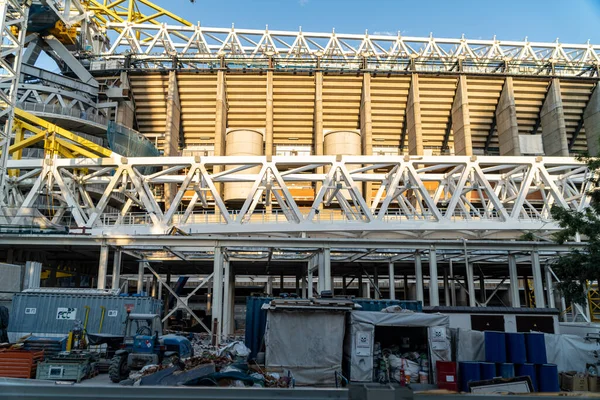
x,y
144,344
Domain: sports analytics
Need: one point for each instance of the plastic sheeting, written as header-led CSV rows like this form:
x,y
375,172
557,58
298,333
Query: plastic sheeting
x,y
359,343
11,281
568,352
309,344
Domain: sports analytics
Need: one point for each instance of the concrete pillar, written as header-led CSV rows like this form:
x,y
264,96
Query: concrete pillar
x,y
303,287
366,129
270,285
392,281
447,301
102,267
461,121
172,132
549,287
140,277
462,297
269,116
116,272
515,300
538,284
33,275
366,289
326,257
309,280
552,117
318,138
591,122
220,122
228,299
148,285
419,277
506,121
414,130
452,287
434,295
217,297
125,114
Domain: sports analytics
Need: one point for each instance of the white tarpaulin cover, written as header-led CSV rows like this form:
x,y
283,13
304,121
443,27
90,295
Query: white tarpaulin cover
x,y
359,343
309,344
568,352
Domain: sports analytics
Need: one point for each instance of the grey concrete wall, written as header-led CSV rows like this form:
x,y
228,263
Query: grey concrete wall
x,y
461,121
591,122
552,116
506,121
414,130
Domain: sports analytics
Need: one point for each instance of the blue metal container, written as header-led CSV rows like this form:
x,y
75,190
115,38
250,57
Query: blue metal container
x,y
495,347
515,348
527,370
488,370
536,348
378,305
548,378
469,371
506,370
54,314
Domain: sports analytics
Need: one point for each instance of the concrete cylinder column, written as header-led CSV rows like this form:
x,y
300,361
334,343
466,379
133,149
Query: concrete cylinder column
x,y
538,284
102,267
140,277
419,277
116,272
515,299
392,281
434,296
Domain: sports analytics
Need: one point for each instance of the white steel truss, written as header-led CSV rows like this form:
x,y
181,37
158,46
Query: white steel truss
x,y
433,197
13,28
154,45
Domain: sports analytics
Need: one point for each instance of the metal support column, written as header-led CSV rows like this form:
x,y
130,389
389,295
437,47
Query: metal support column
x,y
446,288
309,279
217,297
470,277
549,286
515,300
116,272
327,284
226,298
419,277
434,295
376,282
140,277
392,281
452,287
405,287
102,267
269,285
303,287
482,293
538,283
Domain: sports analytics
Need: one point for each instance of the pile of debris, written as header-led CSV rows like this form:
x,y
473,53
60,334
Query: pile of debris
x,y
224,366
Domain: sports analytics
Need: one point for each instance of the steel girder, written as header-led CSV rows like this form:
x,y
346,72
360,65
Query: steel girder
x,y
13,28
476,197
156,45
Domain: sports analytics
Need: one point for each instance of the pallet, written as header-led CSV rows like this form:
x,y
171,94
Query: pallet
x,y
19,363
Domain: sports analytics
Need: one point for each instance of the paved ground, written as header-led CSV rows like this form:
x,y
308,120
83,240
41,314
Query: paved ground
x,y
99,380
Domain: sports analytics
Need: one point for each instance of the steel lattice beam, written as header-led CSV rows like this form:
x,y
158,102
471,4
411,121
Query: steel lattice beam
x,y
422,196
154,45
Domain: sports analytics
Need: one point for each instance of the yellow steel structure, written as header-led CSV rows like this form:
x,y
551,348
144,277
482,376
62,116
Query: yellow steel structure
x,y
594,303
58,142
132,11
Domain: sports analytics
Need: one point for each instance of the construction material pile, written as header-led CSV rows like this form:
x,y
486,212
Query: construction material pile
x,y
393,365
222,366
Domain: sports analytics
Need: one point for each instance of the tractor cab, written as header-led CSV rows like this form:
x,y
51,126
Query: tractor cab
x,y
144,344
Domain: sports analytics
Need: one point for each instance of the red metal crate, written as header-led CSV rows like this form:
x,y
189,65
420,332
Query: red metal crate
x,y
19,363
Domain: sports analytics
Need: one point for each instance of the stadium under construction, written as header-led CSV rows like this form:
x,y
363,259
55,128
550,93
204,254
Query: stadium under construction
x,y
270,161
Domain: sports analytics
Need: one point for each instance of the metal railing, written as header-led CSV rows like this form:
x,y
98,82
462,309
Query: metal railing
x,y
69,112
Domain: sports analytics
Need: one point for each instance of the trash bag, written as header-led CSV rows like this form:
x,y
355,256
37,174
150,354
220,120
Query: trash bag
x,y
3,318
235,349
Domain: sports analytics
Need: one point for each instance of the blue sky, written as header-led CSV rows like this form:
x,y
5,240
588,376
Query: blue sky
x,y
573,21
